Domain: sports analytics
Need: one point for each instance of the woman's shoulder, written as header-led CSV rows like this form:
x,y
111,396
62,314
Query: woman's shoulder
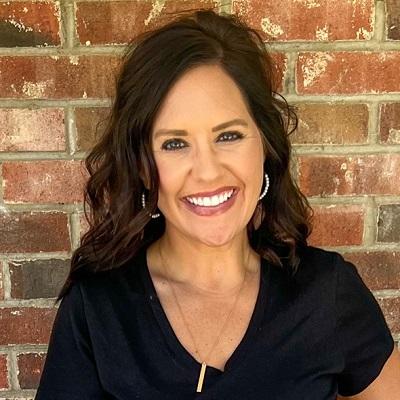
x,y
125,278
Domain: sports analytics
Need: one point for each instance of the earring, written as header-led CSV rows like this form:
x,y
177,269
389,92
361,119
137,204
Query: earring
x,y
144,206
266,187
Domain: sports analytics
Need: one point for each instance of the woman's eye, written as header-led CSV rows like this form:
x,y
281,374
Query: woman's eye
x,y
231,134
170,145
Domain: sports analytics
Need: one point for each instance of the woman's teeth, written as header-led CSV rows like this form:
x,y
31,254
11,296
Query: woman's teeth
x,y
210,201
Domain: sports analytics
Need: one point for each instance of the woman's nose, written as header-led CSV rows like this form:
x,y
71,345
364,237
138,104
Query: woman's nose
x,y
206,164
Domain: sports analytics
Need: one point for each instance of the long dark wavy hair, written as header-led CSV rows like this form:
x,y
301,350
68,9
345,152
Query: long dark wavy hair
x,y
118,224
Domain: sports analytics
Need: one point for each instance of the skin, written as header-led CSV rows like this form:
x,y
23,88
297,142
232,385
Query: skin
x,y
212,251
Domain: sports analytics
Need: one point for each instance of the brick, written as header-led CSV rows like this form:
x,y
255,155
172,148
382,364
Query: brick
x,y
393,19
4,382
348,72
24,129
58,77
87,121
380,270
30,366
29,23
349,175
390,307
390,123
322,20
119,22
37,278
331,123
47,181
389,223
22,232
26,325
337,225
279,70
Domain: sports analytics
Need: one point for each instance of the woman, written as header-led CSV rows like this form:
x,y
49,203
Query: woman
x,y
215,294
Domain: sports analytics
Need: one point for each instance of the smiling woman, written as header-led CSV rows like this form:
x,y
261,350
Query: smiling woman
x,y
217,294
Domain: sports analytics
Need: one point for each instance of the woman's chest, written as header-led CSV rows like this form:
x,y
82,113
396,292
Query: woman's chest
x,y
210,330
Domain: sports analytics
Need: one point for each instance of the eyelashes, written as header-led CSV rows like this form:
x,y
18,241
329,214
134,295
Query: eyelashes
x,y
168,144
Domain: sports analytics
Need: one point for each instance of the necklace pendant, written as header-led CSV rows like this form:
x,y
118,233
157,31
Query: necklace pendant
x,y
201,377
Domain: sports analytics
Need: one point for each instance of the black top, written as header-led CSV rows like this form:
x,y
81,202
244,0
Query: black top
x,y
310,337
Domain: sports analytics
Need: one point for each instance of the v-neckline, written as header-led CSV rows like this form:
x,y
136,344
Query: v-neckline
x,y
182,355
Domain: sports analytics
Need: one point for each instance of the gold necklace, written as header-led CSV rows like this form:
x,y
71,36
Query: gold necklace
x,y
203,364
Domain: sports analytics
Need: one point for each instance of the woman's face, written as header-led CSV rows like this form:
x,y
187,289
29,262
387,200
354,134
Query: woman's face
x,y
205,157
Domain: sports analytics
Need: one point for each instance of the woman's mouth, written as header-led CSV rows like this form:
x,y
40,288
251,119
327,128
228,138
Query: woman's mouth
x,y
213,205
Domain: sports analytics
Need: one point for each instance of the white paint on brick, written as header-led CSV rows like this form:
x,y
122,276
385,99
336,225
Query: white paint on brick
x,y
74,60
394,136
16,312
19,25
363,33
35,89
87,43
309,3
270,28
157,7
322,34
314,67
343,166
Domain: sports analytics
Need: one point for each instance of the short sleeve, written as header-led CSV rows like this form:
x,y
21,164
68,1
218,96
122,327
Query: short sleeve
x,y
363,334
69,371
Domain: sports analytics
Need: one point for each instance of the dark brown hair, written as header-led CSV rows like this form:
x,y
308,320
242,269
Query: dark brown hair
x,y
118,225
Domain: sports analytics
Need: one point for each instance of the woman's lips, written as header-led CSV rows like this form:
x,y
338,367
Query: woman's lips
x,y
212,210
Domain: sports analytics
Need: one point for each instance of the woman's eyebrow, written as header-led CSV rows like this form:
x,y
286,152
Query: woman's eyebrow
x,y
182,132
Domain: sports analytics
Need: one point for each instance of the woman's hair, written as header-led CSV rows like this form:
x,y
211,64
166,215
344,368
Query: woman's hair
x,y
153,62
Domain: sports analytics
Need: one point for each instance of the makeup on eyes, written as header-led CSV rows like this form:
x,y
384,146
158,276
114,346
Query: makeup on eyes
x,y
237,136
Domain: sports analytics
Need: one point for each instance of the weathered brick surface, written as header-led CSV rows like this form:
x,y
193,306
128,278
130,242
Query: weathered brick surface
x,y
23,129
48,181
349,175
331,123
87,121
37,278
322,20
30,366
26,325
58,77
390,123
119,22
393,19
348,72
4,382
389,223
33,232
379,269
29,23
390,308
337,225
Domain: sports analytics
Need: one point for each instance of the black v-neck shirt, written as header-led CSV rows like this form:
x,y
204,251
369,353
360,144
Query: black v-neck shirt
x,y
309,337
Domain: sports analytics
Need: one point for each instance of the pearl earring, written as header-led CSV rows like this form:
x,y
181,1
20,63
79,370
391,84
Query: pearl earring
x,y
266,187
144,206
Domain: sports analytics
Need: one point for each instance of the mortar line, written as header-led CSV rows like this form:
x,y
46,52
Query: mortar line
x,y
380,21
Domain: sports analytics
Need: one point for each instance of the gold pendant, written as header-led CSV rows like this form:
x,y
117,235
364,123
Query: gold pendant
x,y
201,377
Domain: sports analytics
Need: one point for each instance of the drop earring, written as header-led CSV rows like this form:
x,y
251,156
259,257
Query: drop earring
x,y
144,206
266,187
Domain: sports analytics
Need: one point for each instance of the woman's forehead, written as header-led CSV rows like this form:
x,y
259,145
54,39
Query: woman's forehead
x,y
206,94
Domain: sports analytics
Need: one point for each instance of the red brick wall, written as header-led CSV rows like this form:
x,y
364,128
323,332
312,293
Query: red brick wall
x,y
340,61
